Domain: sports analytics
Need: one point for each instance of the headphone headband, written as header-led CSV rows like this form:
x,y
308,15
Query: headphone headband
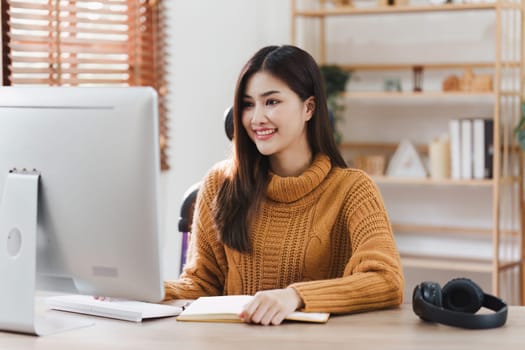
x,y
430,312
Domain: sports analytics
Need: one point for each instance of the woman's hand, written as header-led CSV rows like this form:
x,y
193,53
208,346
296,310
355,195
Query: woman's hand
x,y
271,306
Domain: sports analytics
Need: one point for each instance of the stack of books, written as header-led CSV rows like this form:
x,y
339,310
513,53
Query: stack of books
x,y
471,148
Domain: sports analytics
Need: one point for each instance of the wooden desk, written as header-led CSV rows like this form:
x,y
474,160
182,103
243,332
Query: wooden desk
x,y
388,329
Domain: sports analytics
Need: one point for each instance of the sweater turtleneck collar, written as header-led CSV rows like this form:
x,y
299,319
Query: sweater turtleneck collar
x,y
292,188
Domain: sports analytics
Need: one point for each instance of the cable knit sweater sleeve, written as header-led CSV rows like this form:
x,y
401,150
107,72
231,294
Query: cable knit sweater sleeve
x,y
206,268
373,277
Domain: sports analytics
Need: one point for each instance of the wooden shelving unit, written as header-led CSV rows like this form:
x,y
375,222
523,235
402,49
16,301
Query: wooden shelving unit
x,y
506,101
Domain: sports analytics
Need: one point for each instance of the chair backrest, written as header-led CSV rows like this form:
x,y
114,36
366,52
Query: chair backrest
x,y
187,208
228,123
188,201
190,196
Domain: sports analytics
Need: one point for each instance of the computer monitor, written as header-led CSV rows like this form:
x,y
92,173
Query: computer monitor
x,y
79,191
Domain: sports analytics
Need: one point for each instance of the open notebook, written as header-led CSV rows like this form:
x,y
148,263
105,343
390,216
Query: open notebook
x,y
228,308
127,310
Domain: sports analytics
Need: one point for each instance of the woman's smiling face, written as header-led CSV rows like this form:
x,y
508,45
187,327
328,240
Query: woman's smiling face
x,y
275,117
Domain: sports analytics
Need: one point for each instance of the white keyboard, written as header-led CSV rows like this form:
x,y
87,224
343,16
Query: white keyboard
x,y
127,310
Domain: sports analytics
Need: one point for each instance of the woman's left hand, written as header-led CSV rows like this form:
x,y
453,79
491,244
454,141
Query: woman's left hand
x,y
271,306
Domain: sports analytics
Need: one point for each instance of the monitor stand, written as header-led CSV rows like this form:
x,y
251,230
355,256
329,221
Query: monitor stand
x,y
18,251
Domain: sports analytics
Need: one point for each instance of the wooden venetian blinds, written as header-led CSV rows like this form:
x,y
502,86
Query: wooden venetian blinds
x,y
87,43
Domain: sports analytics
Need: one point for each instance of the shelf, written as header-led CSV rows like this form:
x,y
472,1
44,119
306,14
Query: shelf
x,y
454,263
440,229
446,263
391,147
425,66
509,265
380,146
510,93
464,97
348,10
388,180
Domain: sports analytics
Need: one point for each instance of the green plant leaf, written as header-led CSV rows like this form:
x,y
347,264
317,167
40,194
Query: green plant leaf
x,y
335,80
519,130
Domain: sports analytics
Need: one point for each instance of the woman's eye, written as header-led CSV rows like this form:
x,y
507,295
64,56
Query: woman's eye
x,y
272,102
247,104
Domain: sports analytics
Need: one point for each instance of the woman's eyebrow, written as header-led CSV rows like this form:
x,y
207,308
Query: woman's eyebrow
x,y
264,94
268,93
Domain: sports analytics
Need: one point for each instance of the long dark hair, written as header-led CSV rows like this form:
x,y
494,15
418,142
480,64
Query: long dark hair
x,y
245,186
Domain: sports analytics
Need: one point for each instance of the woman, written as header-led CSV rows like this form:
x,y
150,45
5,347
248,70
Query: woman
x,y
284,218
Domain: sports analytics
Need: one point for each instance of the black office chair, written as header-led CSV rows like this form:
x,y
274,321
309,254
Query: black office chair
x,y
190,196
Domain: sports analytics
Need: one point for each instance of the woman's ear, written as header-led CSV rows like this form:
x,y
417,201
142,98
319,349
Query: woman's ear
x,y
309,105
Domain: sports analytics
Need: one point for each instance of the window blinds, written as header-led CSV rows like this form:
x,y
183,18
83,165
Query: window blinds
x,y
87,43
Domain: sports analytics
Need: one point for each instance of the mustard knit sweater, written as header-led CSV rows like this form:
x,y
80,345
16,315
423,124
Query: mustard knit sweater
x,y
325,233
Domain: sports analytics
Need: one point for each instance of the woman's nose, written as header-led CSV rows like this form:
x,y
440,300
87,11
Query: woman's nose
x,y
259,115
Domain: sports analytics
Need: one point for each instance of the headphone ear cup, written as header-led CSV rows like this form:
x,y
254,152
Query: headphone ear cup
x,y
462,295
431,293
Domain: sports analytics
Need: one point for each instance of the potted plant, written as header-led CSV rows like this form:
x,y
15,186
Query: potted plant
x,y
335,79
520,128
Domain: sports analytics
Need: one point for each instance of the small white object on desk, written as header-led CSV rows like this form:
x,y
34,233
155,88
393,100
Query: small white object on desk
x,y
126,310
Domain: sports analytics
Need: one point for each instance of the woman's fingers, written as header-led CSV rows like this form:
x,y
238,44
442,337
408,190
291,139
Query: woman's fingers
x,y
268,307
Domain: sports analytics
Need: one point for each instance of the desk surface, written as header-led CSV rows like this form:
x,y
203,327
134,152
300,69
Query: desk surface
x,y
387,329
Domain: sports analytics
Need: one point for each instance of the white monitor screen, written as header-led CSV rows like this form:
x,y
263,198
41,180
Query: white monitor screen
x,y
97,153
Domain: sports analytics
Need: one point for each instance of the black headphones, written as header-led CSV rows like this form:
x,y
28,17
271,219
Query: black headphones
x,y
456,304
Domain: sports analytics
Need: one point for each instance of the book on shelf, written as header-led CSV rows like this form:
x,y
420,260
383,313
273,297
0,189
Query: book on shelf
x,y
471,148
483,148
466,148
228,308
455,149
488,147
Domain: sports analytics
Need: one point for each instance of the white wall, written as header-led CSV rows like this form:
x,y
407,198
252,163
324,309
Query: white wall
x,y
1,70
209,41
